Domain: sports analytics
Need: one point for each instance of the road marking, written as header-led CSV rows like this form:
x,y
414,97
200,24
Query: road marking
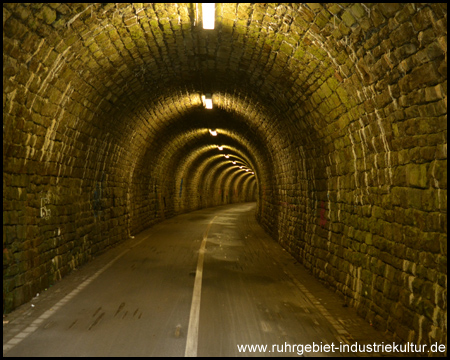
x,y
35,324
194,316
343,334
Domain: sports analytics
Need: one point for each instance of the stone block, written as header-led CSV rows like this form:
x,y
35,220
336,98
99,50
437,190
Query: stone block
x,y
416,175
422,19
389,9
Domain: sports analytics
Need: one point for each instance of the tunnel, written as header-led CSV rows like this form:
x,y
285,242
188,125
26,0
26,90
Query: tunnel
x,y
331,117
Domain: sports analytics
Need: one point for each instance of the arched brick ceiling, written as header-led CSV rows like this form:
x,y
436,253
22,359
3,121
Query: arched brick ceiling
x,y
340,109
184,137
195,166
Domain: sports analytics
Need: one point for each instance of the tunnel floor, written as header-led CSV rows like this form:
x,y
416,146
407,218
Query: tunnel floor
x,y
137,298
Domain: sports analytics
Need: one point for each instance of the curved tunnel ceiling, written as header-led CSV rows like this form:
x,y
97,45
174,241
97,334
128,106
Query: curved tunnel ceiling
x,y
340,110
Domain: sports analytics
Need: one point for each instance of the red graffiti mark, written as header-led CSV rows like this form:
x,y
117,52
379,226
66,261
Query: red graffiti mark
x,y
323,220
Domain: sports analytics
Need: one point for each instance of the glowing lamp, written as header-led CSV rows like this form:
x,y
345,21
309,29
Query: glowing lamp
x,y
209,15
208,103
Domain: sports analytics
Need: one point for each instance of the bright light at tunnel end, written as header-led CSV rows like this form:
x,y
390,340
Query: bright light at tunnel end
x,y
208,10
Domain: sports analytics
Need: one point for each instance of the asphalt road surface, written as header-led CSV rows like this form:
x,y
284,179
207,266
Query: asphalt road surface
x,y
200,284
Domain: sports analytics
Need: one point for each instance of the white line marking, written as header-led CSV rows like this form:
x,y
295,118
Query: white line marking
x,y
336,325
192,334
34,325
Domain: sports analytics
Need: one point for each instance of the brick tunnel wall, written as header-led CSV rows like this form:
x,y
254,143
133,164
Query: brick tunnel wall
x,y
340,111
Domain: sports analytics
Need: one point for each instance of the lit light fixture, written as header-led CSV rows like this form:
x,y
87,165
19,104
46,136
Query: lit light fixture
x,y
209,15
220,148
207,101
234,162
240,167
213,132
253,173
227,156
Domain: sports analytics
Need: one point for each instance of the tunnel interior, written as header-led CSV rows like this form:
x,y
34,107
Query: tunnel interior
x,y
337,111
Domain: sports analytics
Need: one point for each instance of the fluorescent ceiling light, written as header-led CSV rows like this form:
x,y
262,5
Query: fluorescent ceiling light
x,y
209,15
208,103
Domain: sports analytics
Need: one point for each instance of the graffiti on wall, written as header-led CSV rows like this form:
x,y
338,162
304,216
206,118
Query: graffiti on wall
x,y
45,212
323,211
